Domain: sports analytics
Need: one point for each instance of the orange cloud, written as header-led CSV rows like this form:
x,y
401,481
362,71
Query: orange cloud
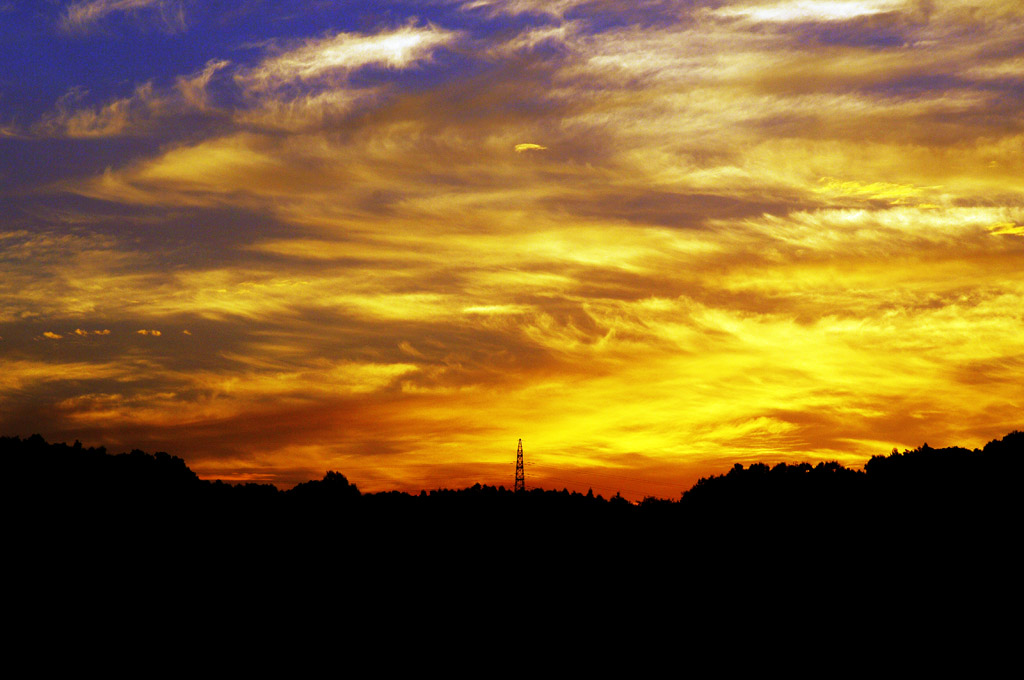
x,y
775,244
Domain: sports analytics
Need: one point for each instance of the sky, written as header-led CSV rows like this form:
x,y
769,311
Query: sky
x,y
651,239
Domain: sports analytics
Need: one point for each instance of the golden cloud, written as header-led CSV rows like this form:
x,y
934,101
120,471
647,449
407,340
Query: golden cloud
x,y
1007,228
344,52
747,247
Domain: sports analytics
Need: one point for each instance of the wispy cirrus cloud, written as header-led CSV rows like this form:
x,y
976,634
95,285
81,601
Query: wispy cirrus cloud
x,y
293,88
808,10
514,7
326,60
85,15
148,110
308,86
761,231
127,115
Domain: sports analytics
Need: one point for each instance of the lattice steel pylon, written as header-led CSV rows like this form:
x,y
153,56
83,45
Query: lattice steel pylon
x,y
520,475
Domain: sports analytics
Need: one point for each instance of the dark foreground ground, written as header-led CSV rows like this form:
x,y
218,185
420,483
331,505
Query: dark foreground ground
x,y
925,542
952,502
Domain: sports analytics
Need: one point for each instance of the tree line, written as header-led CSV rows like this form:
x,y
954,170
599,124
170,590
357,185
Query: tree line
x,y
924,484
910,532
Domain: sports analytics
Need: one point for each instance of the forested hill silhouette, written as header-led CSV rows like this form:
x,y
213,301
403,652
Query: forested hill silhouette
x,y
925,485
917,532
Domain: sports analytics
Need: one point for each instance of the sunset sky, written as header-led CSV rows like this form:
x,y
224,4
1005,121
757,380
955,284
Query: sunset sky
x,y
651,239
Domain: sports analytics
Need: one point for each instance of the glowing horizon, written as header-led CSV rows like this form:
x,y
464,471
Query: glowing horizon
x,y
651,241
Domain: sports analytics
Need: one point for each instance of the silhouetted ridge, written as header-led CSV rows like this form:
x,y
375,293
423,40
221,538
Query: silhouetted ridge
x,y
915,530
934,489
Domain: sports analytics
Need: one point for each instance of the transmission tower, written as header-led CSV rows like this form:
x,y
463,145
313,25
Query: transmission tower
x,y
520,475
